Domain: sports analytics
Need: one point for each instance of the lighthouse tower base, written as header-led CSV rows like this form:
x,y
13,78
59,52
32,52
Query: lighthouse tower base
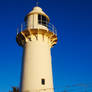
x,y
37,67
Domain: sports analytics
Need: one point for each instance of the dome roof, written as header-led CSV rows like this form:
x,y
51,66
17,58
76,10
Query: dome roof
x,y
37,10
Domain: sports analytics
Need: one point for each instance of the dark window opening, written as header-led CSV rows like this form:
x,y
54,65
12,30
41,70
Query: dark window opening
x,y
39,19
43,81
42,20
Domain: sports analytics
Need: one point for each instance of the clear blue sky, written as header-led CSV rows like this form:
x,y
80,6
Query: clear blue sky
x,y
72,56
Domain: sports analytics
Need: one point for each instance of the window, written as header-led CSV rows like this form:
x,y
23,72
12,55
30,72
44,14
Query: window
x,y
43,81
39,19
42,20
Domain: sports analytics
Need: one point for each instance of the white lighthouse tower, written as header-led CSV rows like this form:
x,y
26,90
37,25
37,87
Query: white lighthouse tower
x,y
37,38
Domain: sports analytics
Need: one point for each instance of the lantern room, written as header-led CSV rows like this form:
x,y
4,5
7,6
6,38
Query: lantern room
x,y
37,19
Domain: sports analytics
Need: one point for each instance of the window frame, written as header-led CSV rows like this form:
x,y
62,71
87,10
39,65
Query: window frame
x,y
43,20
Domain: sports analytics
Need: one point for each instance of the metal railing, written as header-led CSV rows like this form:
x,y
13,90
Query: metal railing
x,y
46,24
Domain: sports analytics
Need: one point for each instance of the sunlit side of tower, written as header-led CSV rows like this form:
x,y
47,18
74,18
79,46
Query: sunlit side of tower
x,y
37,38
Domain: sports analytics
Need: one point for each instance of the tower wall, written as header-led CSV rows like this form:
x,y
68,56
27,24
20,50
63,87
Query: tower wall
x,y
37,65
32,21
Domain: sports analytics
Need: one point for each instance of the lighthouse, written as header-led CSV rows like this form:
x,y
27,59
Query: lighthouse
x,y
37,37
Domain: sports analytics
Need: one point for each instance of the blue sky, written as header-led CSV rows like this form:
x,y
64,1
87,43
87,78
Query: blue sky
x,y
71,57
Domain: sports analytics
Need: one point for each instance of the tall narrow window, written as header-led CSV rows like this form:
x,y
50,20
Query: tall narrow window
x,y
39,19
43,81
44,20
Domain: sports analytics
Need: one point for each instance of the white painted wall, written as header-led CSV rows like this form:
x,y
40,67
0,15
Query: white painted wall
x,y
37,65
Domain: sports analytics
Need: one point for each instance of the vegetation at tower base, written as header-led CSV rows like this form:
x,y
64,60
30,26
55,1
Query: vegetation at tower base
x,y
14,89
81,87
